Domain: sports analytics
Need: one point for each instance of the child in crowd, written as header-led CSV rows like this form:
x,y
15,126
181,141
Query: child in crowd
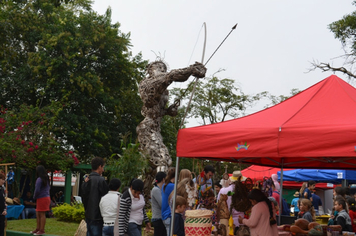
x,y
307,210
294,203
352,212
342,217
217,187
338,192
300,213
178,228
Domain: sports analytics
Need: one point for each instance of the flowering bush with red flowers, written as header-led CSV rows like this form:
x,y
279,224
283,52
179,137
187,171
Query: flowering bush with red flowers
x,y
27,139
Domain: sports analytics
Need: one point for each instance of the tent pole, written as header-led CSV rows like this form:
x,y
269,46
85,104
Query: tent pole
x,y
280,196
174,197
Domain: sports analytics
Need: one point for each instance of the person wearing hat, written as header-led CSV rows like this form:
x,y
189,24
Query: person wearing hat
x,y
132,210
294,202
236,175
156,199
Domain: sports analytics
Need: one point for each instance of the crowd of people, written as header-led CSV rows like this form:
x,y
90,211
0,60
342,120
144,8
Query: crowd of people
x,y
109,212
306,206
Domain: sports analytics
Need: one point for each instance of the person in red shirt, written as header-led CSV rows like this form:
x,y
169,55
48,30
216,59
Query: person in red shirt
x,y
352,212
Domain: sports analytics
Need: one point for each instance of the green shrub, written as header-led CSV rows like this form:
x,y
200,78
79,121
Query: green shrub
x,y
69,213
149,214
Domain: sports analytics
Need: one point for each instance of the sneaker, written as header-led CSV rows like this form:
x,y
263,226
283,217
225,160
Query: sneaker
x,y
34,231
39,233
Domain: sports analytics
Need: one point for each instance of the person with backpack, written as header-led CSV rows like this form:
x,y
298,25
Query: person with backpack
x,y
285,211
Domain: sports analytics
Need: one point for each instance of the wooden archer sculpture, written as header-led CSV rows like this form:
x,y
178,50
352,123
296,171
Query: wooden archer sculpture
x,y
154,94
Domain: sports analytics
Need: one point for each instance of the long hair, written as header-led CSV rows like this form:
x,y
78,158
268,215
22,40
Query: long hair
x,y
184,173
42,173
182,189
259,196
352,203
171,174
308,203
301,191
341,191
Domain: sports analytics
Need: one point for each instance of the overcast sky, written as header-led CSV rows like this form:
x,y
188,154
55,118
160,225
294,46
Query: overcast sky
x,y
270,50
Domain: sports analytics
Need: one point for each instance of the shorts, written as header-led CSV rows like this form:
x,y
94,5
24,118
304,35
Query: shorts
x,y
42,204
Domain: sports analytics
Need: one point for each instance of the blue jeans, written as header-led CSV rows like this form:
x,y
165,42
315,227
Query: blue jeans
x,y
134,229
108,231
30,213
94,227
167,223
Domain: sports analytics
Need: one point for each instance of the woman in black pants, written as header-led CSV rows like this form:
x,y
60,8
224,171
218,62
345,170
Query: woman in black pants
x,y
156,199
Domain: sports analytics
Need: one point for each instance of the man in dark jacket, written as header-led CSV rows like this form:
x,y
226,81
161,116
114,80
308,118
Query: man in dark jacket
x,y
93,188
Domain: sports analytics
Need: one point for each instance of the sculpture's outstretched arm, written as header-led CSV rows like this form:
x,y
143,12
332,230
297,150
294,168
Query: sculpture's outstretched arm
x,y
198,70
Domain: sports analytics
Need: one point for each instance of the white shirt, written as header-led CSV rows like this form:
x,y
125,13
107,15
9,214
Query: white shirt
x,y
137,205
108,206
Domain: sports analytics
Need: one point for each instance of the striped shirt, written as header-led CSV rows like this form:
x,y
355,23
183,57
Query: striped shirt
x,y
125,211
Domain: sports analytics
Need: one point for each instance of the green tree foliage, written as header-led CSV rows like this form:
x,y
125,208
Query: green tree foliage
x,y
345,31
26,139
278,99
130,164
72,55
216,99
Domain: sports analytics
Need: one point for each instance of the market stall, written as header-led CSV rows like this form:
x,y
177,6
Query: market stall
x,y
319,175
313,129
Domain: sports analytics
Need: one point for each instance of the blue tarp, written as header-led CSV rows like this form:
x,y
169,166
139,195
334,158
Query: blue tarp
x,y
318,175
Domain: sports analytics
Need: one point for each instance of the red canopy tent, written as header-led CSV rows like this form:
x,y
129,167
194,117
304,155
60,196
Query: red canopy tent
x,y
256,172
313,129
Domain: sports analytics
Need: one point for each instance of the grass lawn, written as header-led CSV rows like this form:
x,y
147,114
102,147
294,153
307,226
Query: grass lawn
x,y
53,226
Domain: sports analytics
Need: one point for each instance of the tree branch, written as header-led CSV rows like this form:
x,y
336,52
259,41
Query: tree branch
x,y
326,67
